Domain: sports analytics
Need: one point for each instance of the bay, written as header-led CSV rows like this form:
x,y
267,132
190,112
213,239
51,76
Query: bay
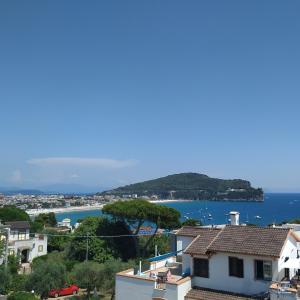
x,y
276,208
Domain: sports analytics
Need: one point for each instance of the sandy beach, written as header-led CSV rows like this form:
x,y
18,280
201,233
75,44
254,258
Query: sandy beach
x,y
169,201
34,212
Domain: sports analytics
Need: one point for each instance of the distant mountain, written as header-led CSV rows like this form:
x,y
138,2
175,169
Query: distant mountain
x,y
192,186
14,191
51,189
69,189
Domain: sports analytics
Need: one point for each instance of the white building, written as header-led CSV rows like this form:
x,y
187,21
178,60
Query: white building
x,y
230,262
65,223
21,243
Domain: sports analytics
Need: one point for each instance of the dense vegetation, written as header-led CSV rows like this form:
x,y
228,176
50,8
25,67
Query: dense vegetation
x,y
192,186
92,254
11,213
133,214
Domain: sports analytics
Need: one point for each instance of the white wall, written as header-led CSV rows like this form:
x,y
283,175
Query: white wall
x,y
33,245
162,263
36,252
138,289
219,276
131,288
183,289
186,263
290,250
183,242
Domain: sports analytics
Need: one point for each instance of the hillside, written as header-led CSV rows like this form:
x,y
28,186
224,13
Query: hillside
x,y
192,186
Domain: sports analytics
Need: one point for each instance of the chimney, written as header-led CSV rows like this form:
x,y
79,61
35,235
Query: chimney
x,y
234,218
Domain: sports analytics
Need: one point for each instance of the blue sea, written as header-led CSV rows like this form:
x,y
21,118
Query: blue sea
x,y
276,208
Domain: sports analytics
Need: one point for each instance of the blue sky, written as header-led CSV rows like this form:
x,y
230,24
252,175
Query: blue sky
x,y
105,93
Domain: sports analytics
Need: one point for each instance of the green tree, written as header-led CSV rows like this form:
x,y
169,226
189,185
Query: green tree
x,y
55,257
18,282
5,279
88,275
191,222
12,213
43,220
101,249
45,277
122,246
13,264
57,241
294,221
85,244
136,212
163,243
21,296
108,272
2,246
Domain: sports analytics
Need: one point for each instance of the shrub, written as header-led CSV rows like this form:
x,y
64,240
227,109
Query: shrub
x,y
21,296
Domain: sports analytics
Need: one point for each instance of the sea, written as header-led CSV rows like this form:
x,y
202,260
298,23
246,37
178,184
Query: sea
x,y
276,208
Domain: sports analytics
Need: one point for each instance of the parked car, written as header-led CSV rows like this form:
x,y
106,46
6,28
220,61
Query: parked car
x,y
72,289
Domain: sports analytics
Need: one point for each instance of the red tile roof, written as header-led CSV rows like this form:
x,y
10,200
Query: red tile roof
x,y
193,231
249,240
201,243
208,294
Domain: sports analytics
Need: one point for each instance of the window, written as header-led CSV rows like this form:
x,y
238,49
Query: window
x,y
236,267
11,252
40,248
263,270
22,236
287,273
14,233
201,267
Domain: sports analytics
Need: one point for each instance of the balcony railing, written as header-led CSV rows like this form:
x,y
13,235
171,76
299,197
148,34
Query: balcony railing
x,y
284,290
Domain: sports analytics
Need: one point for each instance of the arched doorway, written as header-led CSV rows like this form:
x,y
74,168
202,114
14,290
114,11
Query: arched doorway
x,y
24,256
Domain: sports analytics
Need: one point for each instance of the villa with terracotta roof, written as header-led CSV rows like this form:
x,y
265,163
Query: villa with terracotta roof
x,y
225,262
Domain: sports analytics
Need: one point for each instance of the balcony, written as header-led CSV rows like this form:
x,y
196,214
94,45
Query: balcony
x,y
284,290
163,279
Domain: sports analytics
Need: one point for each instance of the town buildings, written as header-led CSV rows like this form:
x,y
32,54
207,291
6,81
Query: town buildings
x,y
226,262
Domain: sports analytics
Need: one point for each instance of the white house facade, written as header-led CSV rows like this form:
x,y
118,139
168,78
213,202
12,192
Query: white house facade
x,y
226,262
21,243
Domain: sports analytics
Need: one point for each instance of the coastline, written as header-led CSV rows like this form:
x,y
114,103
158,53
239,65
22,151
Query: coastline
x,y
170,201
58,210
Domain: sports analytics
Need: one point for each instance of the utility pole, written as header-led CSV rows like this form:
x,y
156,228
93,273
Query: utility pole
x,y
87,248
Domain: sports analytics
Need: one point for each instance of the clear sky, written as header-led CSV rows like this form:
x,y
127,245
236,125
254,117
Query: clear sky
x,y
105,93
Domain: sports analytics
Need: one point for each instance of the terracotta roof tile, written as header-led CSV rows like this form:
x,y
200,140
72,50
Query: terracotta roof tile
x,y
201,243
250,240
207,294
193,231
